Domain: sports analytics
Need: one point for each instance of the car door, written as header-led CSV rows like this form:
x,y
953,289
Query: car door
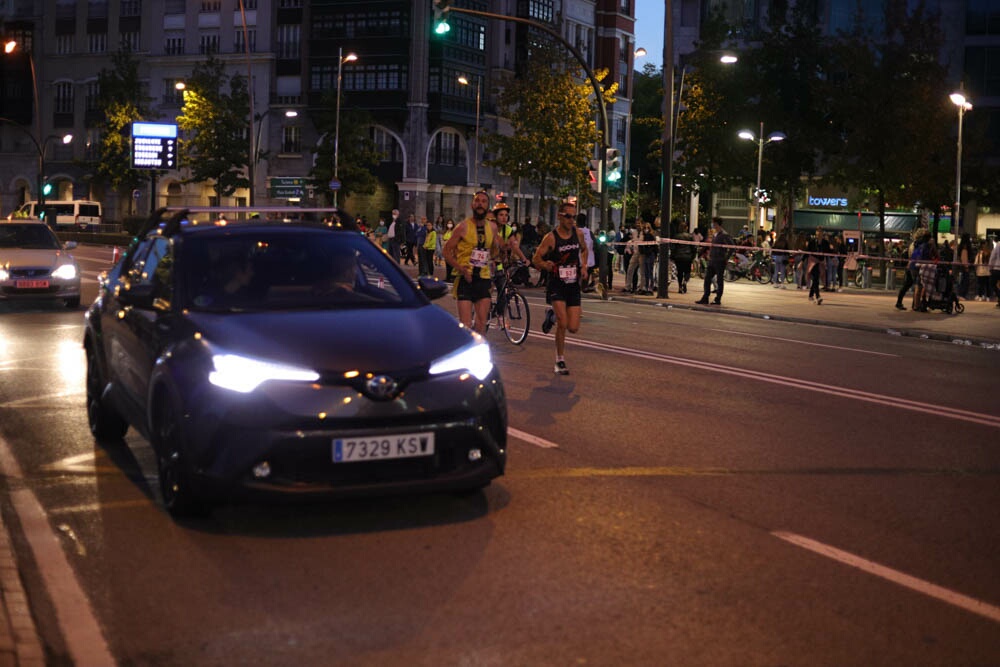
x,y
136,332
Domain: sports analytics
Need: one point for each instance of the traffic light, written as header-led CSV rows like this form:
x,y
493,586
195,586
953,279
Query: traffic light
x,y
441,8
595,175
613,165
46,188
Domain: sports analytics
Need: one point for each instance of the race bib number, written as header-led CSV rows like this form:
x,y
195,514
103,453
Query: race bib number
x,y
480,257
568,274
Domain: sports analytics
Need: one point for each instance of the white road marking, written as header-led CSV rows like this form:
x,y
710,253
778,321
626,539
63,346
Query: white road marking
x,y
802,342
531,439
74,613
807,385
32,399
948,596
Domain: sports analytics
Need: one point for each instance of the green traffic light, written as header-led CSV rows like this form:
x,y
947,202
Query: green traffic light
x,y
47,189
442,27
614,176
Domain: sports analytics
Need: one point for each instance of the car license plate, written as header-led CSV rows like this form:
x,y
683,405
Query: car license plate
x,y
378,447
31,284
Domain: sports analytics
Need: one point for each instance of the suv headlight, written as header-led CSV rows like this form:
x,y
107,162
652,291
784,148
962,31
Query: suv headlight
x,y
244,374
474,358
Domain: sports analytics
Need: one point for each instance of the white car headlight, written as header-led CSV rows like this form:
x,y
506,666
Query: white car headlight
x,y
475,358
3,274
244,374
65,272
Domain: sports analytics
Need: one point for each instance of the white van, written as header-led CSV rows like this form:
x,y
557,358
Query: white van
x,y
78,215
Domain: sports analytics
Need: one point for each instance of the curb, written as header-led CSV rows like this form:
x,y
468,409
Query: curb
x,y
955,339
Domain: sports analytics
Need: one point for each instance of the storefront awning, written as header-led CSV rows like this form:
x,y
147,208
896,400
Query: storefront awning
x,y
895,222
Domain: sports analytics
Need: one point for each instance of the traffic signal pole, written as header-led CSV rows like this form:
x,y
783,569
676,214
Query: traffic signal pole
x,y
441,9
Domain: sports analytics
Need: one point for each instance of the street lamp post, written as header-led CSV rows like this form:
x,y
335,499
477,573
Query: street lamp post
x,y
761,142
341,59
251,163
9,47
963,104
475,169
638,53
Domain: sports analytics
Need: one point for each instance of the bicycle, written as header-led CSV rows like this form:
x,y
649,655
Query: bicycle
x,y
509,309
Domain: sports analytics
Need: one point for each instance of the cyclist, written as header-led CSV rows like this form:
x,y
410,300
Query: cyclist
x,y
509,250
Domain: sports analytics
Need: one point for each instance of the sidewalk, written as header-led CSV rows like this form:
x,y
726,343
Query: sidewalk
x,y
862,309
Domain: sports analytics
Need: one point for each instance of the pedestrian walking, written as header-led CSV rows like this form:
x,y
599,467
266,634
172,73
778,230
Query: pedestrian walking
x,y
964,257
563,254
471,249
779,254
427,248
718,254
813,262
912,274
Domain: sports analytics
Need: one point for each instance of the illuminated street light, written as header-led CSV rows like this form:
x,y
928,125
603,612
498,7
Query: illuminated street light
x,y
747,135
341,59
475,158
963,104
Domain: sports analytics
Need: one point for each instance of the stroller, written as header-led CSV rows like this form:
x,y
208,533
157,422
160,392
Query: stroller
x,y
939,289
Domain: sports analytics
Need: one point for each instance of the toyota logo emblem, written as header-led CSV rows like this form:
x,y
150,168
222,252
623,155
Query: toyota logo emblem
x,y
381,387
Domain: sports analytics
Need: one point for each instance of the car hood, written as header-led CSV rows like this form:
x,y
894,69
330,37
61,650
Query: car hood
x,y
337,340
28,257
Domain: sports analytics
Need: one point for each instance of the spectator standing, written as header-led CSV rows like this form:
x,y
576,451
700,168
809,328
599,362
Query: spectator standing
x,y
449,229
717,256
779,253
588,239
683,254
995,271
380,232
983,272
964,257
813,262
395,235
410,240
427,248
648,253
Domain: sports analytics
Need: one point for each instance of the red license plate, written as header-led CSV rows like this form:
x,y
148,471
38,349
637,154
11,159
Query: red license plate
x,y
31,284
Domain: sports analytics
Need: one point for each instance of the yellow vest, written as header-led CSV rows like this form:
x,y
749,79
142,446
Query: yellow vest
x,y
466,244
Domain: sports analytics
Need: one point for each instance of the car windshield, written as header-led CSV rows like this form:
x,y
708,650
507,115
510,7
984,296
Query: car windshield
x,y
289,269
31,237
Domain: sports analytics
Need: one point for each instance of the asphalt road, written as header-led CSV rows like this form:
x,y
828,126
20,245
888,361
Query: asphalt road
x,y
701,490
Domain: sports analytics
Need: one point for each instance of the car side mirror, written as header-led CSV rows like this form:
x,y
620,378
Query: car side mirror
x,y
432,287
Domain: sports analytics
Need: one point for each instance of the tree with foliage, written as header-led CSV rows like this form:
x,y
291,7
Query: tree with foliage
x,y
214,118
120,103
888,108
357,154
551,113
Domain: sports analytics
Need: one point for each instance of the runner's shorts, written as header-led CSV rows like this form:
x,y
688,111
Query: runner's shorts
x,y
478,289
560,291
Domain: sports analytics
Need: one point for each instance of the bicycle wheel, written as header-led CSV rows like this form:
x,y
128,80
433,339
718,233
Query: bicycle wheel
x,y
764,273
516,318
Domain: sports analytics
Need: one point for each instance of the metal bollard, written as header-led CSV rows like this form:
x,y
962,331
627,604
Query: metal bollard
x,y
890,277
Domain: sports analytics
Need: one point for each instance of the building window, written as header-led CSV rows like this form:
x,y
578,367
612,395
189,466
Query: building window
x,y
386,145
64,97
210,6
173,43
289,37
173,7
620,126
130,41
64,44
208,43
98,42
247,4
447,149
130,8
386,76
322,77
626,6
238,42
172,96
93,95
623,49
97,9
291,139
541,10
290,4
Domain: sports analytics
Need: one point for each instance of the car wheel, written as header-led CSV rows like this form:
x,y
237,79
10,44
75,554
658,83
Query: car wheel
x,y
73,303
179,496
105,423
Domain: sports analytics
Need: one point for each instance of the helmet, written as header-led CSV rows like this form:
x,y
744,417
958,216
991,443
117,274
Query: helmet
x,y
502,206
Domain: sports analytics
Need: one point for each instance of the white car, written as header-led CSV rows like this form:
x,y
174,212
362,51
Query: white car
x,y
35,265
